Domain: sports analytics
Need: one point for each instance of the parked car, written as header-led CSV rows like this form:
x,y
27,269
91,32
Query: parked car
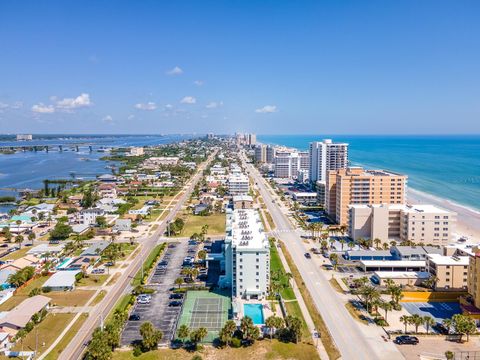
x,y
440,328
134,317
176,296
98,271
175,303
308,256
406,340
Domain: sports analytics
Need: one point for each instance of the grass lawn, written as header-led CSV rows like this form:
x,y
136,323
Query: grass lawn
x,y
148,264
52,355
121,305
193,224
114,279
92,280
98,298
260,350
336,285
70,298
17,254
276,265
48,331
356,314
294,309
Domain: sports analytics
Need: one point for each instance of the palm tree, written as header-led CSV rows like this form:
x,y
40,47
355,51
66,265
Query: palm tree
x,y
227,331
183,332
377,242
270,323
351,245
386,306
385,246
393,243
311,226
19,239
428,321
405,319
334,260
342,242
179,281
416,320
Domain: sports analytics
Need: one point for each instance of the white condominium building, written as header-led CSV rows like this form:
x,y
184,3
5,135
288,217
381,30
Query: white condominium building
x,y
270,156
247,255
325,156
426,224
238,184
289,161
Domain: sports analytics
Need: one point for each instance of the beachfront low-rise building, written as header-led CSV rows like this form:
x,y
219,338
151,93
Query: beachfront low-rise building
x,y
136,151
246,255
426,224
356,186
450,272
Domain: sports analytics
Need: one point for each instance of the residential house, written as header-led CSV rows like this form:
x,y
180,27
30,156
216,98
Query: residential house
x,y
17,318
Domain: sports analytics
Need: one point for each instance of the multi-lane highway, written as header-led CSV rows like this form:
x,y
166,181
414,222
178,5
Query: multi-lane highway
x,y
78,344
354,341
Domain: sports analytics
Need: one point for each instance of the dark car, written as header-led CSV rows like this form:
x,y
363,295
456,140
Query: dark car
x,y
163,263
440,328
406,340
134,317
308,256
176,296
175,303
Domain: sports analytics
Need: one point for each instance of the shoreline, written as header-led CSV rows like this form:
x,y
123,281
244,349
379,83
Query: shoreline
x,y
468,220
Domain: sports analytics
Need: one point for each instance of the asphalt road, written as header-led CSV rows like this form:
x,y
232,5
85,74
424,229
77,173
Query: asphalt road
x,y
78,344
353,342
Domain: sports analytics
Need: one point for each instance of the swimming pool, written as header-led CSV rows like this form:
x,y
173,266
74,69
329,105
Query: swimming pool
x,y
255,312
65,263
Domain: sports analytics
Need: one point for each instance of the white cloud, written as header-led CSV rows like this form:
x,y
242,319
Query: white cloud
x,y
3,106
267,109
107,119
168,106
204,116
83,100
131,117
175,71
43,109
188,100
198,82
214,104
149,106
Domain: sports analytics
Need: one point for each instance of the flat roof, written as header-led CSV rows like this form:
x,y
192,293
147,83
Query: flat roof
x,y
64,278
246,229
369,253
448,260
92,250
402,274
242,198
418,250
393,263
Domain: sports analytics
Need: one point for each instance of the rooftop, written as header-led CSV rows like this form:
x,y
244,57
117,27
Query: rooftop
x,y
402,274
64,278
245,229
448,260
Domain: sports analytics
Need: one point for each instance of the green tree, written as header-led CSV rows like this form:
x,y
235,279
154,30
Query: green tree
x,y
61,231
464,325
202,254
150,336
416,320
101,221
334,260
98,348
226,333
405,319
183,332
179,281
385,306
428,321
18,240
294,325
198,335
31,237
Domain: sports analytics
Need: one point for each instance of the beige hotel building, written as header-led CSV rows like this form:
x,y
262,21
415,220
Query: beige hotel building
x,y
356,186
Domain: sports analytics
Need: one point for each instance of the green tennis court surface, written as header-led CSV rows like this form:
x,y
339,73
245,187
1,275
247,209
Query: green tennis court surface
x,y
205,309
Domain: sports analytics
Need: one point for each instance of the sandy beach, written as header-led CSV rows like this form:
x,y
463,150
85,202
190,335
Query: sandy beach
x,y
468,220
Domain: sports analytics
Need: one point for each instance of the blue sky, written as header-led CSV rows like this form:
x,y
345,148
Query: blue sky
x,y
271,67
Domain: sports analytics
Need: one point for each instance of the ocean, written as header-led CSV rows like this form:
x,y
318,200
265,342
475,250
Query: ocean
x,y
447,167
28,169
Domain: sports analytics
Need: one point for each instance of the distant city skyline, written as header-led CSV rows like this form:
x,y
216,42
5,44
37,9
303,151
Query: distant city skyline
x,y
312,67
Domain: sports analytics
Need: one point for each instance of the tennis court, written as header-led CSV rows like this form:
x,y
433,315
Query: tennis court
x,y
205,309
437,310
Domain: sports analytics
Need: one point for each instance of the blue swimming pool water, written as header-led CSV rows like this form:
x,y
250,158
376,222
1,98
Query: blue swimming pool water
x,y
255,312
64,263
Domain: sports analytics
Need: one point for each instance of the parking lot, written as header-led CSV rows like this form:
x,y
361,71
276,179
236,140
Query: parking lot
x,y
158,311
